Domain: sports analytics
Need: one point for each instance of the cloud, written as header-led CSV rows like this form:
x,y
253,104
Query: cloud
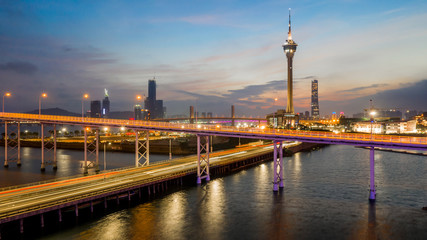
x,y
365,87
19,67
405,96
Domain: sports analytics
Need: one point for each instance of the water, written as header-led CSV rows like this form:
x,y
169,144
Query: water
x,y
325,197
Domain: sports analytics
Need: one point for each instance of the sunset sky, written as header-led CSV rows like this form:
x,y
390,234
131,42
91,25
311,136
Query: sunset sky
x,y
212,54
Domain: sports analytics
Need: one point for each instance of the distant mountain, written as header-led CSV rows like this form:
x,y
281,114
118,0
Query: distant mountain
x,y
56,111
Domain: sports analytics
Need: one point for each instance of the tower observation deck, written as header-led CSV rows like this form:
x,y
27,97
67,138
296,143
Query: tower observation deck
x,y
290,48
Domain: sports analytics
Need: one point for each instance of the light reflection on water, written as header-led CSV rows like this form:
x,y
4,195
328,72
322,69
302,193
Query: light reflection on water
x,y
325,197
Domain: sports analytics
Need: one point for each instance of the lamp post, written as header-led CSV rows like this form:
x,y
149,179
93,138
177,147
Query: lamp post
x,y
105,158
170,148
43,95
372,113
7,94
274,113
85,96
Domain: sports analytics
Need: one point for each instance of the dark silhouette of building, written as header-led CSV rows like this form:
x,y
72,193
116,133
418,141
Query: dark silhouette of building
x,y
315,99
95,109
105,105
154,106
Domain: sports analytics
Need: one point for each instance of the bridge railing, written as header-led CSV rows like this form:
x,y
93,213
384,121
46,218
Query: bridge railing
x,y
218,128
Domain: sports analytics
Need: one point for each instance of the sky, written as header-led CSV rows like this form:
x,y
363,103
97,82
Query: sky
x,y
213,54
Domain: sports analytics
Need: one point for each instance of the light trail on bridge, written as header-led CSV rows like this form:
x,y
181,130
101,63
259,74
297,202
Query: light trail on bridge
x,y
387,141
22,199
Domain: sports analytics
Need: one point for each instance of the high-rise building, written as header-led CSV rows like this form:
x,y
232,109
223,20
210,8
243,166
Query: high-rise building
x,y
95,109
138,112
290,48
154,106
315,99
105,105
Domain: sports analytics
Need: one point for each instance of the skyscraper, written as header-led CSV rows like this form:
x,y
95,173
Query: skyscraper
x,y
151,103
95,109
315,99
138,112
105,104
290,47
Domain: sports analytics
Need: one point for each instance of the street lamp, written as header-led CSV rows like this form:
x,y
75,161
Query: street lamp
x,y
274,113
105,159
7,94
43,95
85,96
372,113
170,148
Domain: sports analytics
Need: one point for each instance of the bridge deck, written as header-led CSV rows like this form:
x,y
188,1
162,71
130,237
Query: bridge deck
x,y
386,141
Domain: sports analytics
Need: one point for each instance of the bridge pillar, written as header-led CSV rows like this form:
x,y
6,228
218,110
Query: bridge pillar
x,y
42,167
142,148
278,165
91,159
372,191
202,158
48,146
12,143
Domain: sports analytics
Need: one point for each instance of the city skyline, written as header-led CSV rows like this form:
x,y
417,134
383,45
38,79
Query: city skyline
x,y
212,55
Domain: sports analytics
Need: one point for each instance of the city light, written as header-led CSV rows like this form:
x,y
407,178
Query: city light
x,y
85,96
43,95
7,94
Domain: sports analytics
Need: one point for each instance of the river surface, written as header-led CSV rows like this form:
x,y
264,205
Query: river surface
x,y
325,197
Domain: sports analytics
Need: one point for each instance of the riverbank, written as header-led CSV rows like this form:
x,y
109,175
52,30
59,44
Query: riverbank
x,y
412,152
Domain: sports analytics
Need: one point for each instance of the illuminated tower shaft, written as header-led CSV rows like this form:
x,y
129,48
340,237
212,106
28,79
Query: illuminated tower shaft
x,y
290,47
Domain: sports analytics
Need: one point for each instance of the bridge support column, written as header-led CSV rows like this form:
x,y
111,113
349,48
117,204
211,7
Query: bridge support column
x,y
202,158
21,225
60,215
42,167
91,149
55,166
12,144
142,148
278,165
372,191
48,149
42,220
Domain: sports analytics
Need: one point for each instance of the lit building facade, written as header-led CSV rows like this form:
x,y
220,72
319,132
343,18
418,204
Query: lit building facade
x,y
315,99
105,105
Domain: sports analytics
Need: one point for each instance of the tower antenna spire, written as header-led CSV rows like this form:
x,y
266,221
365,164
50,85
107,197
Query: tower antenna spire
x,y
289,33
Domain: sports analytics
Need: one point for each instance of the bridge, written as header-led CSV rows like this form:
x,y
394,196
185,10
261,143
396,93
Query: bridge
x,y
17,203
74,193
142,128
